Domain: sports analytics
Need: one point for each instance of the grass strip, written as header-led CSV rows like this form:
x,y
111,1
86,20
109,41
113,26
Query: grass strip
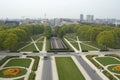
x,y
90,57
36,62
67,70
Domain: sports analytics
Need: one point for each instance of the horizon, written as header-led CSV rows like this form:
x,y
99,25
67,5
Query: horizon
x,y
15,9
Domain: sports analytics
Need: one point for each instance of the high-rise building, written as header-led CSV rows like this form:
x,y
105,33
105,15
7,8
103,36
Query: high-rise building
x,y
81,17
90,18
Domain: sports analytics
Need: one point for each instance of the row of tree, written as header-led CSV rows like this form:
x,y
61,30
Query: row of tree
x,y
103,35
11,37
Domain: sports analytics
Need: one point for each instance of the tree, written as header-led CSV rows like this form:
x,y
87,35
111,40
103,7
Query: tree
x,y
10,41
106,39
47,32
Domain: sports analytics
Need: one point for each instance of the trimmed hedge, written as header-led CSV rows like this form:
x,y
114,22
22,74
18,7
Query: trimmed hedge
x,y
32,76
102,50
36,62
84,50
113,55
90,57
5,59
111,77
35,51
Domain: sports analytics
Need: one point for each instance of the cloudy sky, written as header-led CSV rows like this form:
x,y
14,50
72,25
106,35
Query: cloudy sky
x,y
59,8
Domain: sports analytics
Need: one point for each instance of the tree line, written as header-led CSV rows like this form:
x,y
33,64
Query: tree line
x,y
102,35
10,37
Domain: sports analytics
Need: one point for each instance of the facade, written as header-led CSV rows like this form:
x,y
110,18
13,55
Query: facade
x,y
90,18
81,17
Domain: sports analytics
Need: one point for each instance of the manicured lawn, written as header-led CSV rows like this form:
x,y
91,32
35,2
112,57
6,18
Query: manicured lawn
x,y
67,70
32,76
35,37
29,48
19,62
39,45
118,76
71,36
85,47
36,62
107,60
5,59
93,44
20,79
23,72
48,45
75,44
111,68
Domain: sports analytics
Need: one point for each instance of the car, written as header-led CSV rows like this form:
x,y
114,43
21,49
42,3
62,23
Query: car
x,y
45,57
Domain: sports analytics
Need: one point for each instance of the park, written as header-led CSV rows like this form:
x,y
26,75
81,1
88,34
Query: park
x,y
70,52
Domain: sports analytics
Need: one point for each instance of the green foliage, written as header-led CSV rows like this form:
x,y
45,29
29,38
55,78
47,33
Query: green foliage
x,y
47,32
10,41
36,62
32,76
90,57
11,37
111,77
106,38
5,59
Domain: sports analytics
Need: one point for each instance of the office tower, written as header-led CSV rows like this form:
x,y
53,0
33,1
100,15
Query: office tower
x,y
81,17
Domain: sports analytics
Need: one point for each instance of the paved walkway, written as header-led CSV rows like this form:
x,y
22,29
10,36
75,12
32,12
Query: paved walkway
x,y
82,70
71,45
106,67
94,68
28,69
79,44
44,46
34,42
39,70
54,69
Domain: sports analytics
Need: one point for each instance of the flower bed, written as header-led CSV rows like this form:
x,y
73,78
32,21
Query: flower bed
x,y
11,71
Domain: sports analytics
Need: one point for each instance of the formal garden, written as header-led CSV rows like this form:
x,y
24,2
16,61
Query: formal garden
x,y
17,68
109,64
66,68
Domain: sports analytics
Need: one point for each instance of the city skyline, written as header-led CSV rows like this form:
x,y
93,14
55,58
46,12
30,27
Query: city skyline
x,y
59,9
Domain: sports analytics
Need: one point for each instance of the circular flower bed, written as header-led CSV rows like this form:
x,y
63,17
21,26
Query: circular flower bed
x,y
117,68
12,72
114,69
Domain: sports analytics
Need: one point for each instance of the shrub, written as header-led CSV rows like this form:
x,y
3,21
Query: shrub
x,y
90,57
111,77
36,62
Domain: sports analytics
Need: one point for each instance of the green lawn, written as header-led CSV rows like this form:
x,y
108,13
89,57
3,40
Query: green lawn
x,y
48,45
39,45
67,70
20,79
75,44
111,68
71,36
36,62
29,48
93,44
23,72
107,60
35,37
118,76
19,62
85,47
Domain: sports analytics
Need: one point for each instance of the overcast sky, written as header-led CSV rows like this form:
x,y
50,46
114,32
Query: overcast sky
x,y
59,8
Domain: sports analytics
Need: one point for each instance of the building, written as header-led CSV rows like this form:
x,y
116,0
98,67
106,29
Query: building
x,y
12,22
81,17
90,18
